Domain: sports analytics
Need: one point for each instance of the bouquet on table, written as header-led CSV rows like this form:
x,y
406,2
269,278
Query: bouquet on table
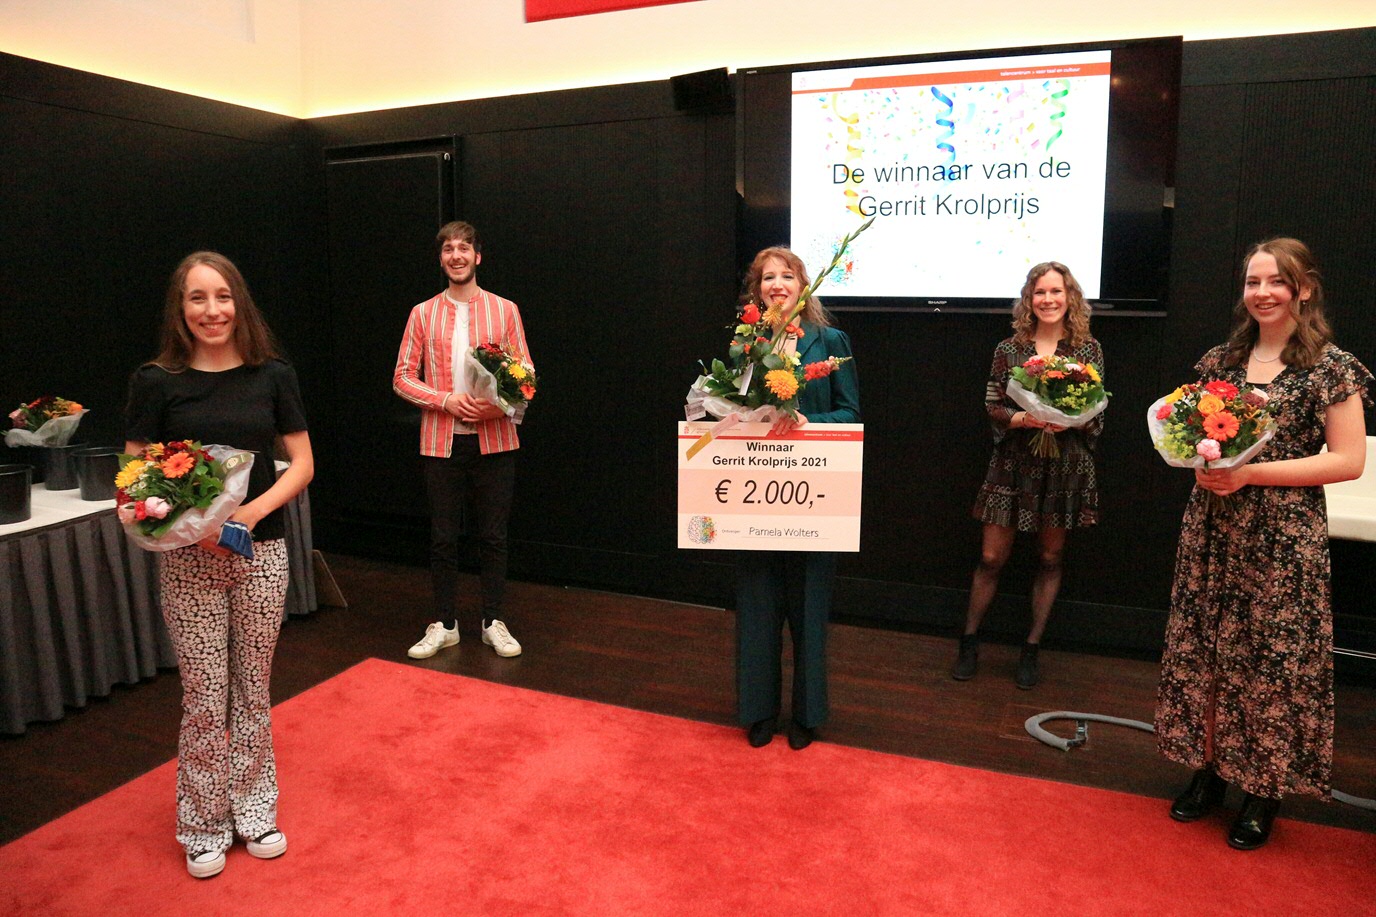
x,y
48,421
498,374
762,380
1060,391
175,494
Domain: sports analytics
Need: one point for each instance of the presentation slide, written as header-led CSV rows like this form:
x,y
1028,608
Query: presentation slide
x,y
977,170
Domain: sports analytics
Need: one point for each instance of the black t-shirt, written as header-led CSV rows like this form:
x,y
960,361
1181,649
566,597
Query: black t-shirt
x,y
247,407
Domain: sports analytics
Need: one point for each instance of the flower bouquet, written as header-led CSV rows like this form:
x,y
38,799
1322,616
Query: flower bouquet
x,y
48,422
497,374
1060,391
1210,425
762,379
173,495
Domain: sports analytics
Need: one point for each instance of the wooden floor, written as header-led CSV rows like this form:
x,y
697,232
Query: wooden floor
x,y
891,692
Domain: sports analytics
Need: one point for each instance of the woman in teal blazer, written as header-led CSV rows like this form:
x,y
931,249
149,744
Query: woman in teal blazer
x,y
774,586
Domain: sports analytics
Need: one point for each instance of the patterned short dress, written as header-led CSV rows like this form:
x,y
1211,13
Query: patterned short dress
x,y
1025,491
1247,672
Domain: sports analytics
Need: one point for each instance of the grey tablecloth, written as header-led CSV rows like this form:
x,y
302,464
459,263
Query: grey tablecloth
x,y
79,612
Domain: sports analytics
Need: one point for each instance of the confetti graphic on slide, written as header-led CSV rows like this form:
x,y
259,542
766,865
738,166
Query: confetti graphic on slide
x,y
1056,102
854,152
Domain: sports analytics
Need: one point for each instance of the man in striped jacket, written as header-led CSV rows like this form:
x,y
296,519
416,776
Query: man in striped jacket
x,y
467,443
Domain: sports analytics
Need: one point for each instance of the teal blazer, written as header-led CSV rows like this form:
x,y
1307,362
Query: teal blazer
x,y
835,399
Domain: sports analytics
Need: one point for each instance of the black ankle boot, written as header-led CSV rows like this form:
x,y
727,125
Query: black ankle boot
x,y
1027,667
967,659
1205,791
1252,827
799,736
761,732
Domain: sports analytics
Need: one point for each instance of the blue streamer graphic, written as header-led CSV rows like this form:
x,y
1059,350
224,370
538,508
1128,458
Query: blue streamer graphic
x,y
948,123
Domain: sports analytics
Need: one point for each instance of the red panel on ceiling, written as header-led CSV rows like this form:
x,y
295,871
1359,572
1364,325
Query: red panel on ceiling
x,y
539,10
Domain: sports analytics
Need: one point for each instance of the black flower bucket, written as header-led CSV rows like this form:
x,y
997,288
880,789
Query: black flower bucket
x,y
16,493
96,467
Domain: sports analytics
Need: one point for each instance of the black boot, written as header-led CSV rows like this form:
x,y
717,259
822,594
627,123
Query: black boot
x,y
1252,827
967,659
761,732
799,736
1205,791
1027,667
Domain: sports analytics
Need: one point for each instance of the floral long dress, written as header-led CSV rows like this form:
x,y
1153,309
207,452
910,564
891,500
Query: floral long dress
x,y
1247,673
1021,489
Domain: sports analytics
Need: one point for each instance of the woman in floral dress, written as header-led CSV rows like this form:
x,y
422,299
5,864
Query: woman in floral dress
x,y
1022,491
1246,691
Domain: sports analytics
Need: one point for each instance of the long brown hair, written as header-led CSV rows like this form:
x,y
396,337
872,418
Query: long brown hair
x,y
1299,269
813,311
252,336
1076,309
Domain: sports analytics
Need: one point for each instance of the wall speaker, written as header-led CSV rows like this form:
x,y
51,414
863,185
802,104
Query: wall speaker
x,y
705,93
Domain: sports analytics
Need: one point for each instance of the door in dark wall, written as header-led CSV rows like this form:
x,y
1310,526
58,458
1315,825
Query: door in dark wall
x,y
384,206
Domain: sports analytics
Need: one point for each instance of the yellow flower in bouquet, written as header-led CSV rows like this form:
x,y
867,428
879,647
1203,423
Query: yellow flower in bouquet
x,y
130,473
782,382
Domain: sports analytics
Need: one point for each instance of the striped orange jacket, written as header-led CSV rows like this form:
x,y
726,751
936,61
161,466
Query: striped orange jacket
x,y
424,372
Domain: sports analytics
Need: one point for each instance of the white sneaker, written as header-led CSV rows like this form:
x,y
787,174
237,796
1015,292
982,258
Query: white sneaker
x,y
267,846
499,638
436,638
205,863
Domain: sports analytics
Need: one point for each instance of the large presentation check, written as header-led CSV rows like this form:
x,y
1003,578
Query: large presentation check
x,y
748,491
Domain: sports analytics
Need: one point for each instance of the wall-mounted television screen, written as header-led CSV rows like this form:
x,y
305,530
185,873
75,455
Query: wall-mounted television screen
x,y
977,165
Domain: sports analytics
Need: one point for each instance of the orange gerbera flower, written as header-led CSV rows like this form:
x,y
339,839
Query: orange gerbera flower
x,y
178,464
1221,426
1210,404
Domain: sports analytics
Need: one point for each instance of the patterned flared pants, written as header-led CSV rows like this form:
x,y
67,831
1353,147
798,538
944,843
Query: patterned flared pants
x,y
224,614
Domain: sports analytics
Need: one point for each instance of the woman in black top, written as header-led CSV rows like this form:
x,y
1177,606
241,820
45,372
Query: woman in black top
x,y
218,379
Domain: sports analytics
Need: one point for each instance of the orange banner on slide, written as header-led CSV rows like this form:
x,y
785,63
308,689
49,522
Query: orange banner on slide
x,y
540,10
1006,74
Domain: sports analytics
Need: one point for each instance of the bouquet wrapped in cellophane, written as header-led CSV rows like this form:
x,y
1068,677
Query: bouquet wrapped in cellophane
x,y
1060,391
49,421
499,375
761,380
1211,425
175,494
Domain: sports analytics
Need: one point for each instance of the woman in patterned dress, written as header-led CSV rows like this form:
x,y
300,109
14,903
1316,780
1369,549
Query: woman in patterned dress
x,y
218,379
1246,691
1024,492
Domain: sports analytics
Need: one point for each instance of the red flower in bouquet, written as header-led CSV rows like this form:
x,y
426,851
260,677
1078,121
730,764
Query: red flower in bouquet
x,y
1225,390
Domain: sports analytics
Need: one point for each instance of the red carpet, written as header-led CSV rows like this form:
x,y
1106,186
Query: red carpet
x,y
525,803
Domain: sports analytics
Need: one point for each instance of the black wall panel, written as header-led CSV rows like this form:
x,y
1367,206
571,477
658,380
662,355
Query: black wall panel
x,y
98,208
